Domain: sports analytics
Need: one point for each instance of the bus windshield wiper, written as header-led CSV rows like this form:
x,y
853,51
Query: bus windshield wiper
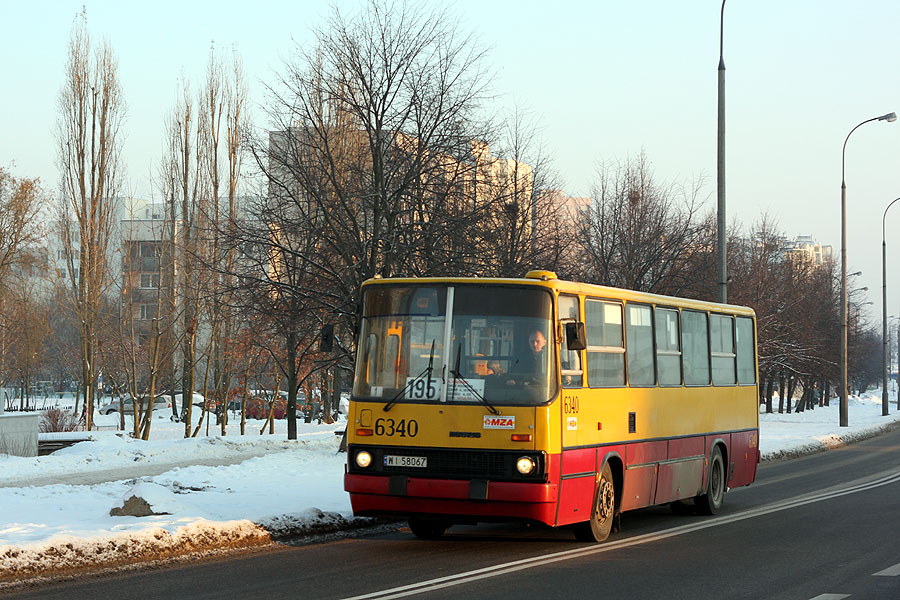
x,y
428,370
458,376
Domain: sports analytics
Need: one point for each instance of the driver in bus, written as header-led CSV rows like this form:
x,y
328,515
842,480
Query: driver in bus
x,y
532,364
537,343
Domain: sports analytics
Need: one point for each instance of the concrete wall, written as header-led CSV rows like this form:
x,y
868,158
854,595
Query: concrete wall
x,y
19,434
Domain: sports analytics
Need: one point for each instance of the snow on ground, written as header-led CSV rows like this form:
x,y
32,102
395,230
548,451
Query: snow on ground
x,y
251,487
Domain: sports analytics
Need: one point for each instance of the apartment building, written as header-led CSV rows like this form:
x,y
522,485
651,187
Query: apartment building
x,y
807,249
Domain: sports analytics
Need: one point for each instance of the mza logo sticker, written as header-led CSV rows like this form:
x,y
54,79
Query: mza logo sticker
x,y
495,422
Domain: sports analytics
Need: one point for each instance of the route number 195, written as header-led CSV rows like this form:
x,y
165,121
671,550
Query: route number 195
x,y
421,388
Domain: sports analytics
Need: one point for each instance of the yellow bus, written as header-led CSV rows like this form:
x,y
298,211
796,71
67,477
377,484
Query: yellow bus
x,y
542,400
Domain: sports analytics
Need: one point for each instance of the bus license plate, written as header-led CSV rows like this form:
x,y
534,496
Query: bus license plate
x,y
405,461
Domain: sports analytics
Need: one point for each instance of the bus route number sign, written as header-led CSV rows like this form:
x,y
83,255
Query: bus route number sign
x,y
422,388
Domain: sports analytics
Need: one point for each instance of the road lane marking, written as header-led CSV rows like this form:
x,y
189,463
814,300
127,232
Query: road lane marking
x,y
527,563
831,597
889,572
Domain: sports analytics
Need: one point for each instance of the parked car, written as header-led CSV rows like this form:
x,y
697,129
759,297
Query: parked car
x,y
196,400
160,403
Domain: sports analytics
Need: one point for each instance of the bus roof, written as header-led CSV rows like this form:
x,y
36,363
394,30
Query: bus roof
x,y
548,280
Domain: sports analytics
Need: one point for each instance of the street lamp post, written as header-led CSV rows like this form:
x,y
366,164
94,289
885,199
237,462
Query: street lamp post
x,y
884,317
844,409
891,319
721,225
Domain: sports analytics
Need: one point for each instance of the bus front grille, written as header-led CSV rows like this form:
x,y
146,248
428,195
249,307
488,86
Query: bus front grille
x,y
449,463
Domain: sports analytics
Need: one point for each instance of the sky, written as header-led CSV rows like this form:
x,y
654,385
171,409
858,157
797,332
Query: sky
x,y
603,80
66,521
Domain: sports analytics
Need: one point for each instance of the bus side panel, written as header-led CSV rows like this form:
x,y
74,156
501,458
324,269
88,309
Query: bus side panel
x,y
642,460
640,487
579,474
683,448
683,473
744,456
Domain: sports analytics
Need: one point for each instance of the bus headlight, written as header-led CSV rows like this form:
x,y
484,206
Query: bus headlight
x,y
363,459
525,465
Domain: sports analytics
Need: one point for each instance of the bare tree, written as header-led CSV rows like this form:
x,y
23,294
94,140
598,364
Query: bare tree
x,y
91,110
202,181
643,235
19,205
796,305
140,351
518,224
183,187
373,136
231,107
25,325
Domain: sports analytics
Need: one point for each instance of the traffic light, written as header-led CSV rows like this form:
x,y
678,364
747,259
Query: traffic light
x,y
326,339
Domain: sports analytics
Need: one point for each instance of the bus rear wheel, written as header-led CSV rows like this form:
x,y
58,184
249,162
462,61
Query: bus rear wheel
x,y
428,529
711,502
603,511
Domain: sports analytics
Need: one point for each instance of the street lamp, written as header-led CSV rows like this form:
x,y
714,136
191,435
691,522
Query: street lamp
x,y
884,318
844,409
721,225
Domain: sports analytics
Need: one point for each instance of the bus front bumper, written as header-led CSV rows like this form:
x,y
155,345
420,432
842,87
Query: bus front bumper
x,y
375,495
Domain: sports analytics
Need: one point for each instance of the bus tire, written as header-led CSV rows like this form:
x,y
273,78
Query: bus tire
x,y
428,529
603,510
711,502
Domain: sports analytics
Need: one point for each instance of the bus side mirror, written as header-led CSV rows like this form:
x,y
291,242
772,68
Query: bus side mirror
x,y
326,339
575,338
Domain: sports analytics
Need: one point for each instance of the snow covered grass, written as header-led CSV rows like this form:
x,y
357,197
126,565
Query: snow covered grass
x,y
789,434
264,485
236,491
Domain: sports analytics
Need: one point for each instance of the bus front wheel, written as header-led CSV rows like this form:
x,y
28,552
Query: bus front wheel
x,y
603,511
711,502
428,529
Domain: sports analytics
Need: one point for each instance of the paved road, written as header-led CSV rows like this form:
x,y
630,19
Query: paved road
x,y
823,527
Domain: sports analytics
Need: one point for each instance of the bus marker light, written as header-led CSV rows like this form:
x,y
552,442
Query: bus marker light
x,y
525,465
520,437
364,432
599,426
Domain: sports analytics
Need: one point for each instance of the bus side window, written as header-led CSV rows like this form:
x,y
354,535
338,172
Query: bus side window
x,y
606,348
668,348
639,342
695,347
721,340
746,363
570,360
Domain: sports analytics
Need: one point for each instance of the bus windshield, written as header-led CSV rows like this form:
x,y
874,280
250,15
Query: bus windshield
x,y
456,344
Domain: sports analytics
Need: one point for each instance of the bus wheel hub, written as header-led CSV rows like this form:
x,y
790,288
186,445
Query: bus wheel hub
x,y
606,501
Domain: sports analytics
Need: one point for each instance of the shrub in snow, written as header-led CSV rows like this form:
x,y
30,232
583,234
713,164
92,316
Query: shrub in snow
x,y
54,420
